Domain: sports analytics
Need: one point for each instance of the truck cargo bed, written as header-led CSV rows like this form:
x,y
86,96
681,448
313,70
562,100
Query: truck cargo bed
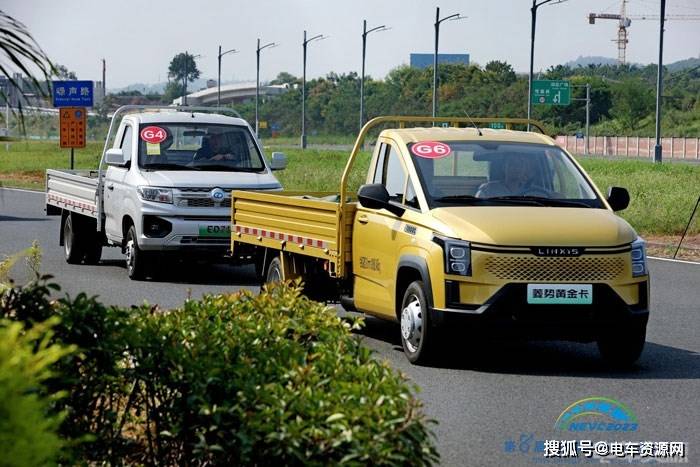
x,y
74,190
310,224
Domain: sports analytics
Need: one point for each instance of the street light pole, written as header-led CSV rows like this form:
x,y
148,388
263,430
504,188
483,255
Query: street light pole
x,y
533,12
218,81
365,32
303,88
658,151
588,117
455,17
257,81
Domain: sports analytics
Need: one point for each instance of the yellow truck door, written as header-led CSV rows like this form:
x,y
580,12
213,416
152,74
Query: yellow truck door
x,y
376,236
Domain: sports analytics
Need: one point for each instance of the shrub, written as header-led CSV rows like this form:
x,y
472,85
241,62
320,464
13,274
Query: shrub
x,y
230,379
27,427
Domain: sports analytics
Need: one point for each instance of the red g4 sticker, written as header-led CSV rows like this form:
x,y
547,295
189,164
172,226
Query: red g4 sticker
x,y
154,134
431,149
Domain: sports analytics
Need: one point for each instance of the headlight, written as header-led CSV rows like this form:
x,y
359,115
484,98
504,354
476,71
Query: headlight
x,y
639,257
158,195
457,256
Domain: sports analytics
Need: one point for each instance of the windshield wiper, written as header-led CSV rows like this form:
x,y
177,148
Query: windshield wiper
x,y
546,201
166,166
228,168
470,199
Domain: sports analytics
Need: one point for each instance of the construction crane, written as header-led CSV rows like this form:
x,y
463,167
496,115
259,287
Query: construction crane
x,y
624,22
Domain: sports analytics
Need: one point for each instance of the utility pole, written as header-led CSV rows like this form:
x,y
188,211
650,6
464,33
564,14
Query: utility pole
x,y
104,78
588,111
257,80
218,80
184,95
365,32
533,22
454,17
658,150
303,88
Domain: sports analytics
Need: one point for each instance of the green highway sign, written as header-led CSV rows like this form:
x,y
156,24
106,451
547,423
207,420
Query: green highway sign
x,y
551,92
497,125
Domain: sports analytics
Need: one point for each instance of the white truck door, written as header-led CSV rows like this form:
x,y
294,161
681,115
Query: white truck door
x,y
114,188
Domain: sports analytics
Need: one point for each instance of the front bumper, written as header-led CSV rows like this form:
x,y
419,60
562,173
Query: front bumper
x,y
508,314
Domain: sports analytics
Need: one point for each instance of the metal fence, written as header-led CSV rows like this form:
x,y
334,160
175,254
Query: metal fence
x,y
632,146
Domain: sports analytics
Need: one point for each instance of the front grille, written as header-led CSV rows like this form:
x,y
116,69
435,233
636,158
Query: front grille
x,y
532,268
195,240
204,203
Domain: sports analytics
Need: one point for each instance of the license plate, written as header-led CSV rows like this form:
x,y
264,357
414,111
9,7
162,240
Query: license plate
x,y
559,294
215,231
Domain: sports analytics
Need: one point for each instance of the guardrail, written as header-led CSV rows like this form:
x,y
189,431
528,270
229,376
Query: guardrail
x,y
632,146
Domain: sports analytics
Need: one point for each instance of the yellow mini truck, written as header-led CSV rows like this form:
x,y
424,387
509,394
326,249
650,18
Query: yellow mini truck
x,y
459,226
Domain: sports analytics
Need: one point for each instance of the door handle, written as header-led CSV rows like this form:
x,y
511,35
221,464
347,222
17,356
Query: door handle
x,y
110,186
362,219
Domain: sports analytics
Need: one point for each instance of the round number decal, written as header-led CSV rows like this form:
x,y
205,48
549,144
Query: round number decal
x,y
431,149
154,134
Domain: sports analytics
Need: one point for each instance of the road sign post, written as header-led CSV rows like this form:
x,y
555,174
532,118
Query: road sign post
x,y
551,92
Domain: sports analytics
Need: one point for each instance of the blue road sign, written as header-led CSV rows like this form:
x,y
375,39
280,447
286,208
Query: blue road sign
x,y
72,93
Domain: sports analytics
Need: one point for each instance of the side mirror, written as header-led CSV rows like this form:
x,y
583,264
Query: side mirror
x,y
618,198
375,196
115,156
279,161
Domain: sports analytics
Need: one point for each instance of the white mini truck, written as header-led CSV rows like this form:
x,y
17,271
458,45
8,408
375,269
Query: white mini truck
x,y
166,190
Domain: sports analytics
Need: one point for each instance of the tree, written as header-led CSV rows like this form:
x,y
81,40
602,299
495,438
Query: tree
x,y
183,69
632,101
63,73
285,78
173,90
502,71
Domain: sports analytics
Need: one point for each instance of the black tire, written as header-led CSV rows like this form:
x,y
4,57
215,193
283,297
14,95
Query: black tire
x,y
417,332
274,271
137,261
72,240
624,346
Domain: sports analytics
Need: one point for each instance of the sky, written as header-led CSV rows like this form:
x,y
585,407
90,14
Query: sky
x,y
139,38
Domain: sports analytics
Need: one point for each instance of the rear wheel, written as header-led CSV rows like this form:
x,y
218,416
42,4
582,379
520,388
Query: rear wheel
x,y
623,346
72,241
136,259
274,271
417,334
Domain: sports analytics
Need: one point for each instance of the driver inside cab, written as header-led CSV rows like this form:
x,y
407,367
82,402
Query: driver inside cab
x,y
214,149
519,179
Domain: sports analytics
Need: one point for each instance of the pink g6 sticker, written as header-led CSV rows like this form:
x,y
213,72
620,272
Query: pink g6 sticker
x,y
431,149
154,134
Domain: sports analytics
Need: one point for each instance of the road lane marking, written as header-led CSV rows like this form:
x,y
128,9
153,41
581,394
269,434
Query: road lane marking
x,y
674,260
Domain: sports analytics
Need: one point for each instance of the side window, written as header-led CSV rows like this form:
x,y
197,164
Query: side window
x,y
394,178
379,169
127,142
411,199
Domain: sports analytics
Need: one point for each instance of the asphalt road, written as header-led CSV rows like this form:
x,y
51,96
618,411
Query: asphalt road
x,y
493,401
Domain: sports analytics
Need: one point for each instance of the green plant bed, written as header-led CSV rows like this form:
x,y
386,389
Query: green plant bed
x,y
273,378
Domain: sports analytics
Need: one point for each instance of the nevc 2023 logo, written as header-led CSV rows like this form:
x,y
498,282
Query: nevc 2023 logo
x,y
597,414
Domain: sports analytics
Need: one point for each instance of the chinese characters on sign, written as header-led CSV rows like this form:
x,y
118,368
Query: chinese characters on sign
x,y
586,448
571,294
72,93
551,92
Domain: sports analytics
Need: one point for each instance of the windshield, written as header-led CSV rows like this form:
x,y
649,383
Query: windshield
x,y
184,146
488,173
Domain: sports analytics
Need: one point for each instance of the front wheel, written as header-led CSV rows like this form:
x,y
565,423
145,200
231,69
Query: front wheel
x,y
136,259
417,334
624,346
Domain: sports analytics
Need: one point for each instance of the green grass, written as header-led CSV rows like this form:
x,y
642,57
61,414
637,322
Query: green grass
x,y
663,196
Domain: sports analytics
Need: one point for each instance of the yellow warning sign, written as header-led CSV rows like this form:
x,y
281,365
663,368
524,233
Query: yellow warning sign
x,y
262,124
73,124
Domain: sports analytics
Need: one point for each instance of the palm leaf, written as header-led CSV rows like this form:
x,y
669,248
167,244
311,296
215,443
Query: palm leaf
x,y
20,52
